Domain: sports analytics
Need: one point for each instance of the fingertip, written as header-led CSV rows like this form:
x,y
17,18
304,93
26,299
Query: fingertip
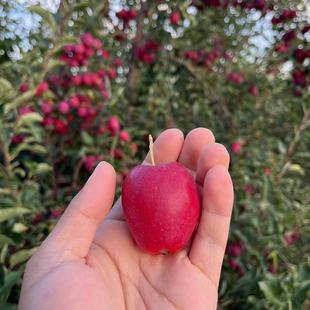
x,y
211,155
218,190
167,146
106,168
176,131
218,148
215,149
174,135
201,133
195,140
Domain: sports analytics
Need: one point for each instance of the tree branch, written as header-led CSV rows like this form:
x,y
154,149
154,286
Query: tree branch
x,y
131,77
76,174
305,123
6,158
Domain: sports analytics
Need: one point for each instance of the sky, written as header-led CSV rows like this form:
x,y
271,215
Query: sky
x,y
51,5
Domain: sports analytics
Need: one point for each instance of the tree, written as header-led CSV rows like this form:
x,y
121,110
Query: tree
x,y
99,79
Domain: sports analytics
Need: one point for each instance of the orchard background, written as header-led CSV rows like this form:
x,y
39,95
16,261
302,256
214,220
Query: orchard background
x,y
90,80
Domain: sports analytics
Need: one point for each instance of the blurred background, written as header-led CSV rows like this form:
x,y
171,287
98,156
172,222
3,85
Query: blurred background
x,y
84,81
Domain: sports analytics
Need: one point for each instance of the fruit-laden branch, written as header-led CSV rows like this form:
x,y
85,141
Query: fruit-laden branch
x,y
305,123
130,89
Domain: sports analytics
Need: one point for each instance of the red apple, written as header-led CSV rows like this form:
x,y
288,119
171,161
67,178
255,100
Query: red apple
x,y
162,206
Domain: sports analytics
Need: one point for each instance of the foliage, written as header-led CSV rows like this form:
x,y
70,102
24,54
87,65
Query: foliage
x,y
97,81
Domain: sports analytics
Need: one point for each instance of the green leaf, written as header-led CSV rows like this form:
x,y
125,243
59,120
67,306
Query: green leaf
x,y
302,294
25,97
6,88
246,285
30,195
281,147
53,64
1,276
296,168
304,272
29,118
19,172
6,239
4,252
87,138
66,40
196,108
47,17
42,168
5,191
21,256
6,306
9,213
81,6
9,281
31,148
269,293
19,228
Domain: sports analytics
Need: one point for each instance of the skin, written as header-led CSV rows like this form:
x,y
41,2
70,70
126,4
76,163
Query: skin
x,y
90,260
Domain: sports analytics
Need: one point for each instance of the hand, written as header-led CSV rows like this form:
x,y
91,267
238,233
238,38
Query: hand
x,y
88,263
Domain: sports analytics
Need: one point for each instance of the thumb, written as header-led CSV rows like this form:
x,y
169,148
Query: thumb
x,y
74,233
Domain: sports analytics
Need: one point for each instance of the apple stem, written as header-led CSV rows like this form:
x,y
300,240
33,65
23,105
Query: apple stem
x,y
151,146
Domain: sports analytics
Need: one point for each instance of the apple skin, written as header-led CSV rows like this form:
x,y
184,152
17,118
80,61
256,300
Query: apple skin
x,y
162,206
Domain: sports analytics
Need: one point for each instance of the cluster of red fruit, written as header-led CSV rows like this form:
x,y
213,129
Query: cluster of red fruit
x,y
57,117
147,52
289,37
299,78
80,55
207,59
235,77
301,54
126,15
234,250
238,78
293,46
80,108
76,55
285,16
260,5
201,57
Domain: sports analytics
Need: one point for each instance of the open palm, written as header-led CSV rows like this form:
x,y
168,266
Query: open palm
x,y
90,260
